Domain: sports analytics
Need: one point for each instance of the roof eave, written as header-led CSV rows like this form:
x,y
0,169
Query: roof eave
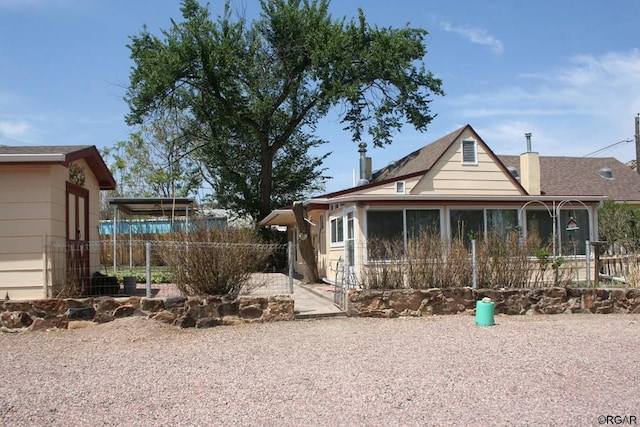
x,y
451,198
279,217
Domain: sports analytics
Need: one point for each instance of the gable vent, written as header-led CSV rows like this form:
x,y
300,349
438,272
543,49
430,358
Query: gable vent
x,y
606,173
469,153
514,171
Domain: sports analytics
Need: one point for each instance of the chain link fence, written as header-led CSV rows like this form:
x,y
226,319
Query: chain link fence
x,y
166,269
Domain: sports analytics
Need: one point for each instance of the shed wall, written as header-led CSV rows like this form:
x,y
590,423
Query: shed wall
x,y
25,220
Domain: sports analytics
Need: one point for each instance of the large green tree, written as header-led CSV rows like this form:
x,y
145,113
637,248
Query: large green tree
x,y
254,91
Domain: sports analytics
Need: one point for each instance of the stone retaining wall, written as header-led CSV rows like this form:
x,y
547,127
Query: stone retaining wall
x,y
200,312
409,302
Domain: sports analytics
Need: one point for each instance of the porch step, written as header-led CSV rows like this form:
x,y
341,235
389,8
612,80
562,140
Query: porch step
x,y
305,316
310,304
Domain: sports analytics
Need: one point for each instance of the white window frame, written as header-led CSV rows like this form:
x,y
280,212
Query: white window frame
x,y
475,151
332,220
401,187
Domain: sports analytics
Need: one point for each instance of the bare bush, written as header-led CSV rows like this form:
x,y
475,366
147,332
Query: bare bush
x,y
505,261
430,262
434,263
385,269
206,263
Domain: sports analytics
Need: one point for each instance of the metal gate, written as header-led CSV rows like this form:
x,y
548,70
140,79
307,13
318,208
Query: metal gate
x,y
339,294
345,279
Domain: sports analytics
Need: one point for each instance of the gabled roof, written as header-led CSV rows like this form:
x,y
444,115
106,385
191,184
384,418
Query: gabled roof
x,y
420,160
567,176
60,155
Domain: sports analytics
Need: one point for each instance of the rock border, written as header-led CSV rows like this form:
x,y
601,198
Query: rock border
x,y
185,312
519,301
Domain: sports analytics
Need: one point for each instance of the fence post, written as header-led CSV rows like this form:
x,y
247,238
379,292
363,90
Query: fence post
x,y
114,238
148,265
474,277
290,259
587,251
45,268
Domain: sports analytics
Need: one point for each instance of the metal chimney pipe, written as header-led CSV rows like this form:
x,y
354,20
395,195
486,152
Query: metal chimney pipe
x,y
362,149
528,136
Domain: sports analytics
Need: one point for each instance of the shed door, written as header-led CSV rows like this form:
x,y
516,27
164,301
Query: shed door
x,y
77,213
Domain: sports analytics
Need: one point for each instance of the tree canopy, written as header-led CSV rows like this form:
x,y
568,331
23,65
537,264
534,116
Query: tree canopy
x,y
152,163
252,92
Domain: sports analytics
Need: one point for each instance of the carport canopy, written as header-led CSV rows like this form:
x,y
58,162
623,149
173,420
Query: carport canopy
x,y
156,207
166,207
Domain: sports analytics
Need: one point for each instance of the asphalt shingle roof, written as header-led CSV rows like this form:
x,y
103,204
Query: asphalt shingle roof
x,y
559,176
42,149
579,176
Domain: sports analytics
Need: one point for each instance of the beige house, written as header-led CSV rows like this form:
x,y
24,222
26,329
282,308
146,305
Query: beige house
x,y
458,187
48,194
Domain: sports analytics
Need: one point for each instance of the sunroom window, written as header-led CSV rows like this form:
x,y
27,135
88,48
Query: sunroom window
x,y
502,222
395,225
572,239
467,224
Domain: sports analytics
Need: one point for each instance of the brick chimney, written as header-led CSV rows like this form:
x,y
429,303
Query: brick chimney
x,y
530,169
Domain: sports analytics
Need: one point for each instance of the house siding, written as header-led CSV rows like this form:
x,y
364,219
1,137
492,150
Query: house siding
x,y
451,177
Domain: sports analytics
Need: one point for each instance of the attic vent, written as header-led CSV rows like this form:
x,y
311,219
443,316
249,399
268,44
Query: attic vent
x,y
606,173
514,171
469,152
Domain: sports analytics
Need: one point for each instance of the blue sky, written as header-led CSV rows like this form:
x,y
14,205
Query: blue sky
x,y
567,71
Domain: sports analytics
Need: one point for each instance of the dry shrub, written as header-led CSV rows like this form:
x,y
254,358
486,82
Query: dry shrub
x,y
215,261
632,279
430,262
550,270
505,261
434,263
427,263
385,268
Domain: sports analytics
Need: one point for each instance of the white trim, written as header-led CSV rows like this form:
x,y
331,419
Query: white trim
x,y
10,158
445,198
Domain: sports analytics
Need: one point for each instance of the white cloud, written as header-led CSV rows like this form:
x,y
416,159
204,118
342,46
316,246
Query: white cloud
x,y
15,131
585,105
476,35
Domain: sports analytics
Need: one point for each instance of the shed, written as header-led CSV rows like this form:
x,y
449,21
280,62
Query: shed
x,y
48,194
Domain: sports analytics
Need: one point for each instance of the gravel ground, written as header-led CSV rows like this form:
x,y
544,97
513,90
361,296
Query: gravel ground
x,y
437,371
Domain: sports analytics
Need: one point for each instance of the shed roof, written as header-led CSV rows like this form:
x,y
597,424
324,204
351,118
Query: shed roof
x,y
60,155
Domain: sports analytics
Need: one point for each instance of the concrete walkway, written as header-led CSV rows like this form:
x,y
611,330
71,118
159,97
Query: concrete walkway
x,y
314,301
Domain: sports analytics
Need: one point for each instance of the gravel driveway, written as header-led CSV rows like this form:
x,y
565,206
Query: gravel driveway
x,y
436,371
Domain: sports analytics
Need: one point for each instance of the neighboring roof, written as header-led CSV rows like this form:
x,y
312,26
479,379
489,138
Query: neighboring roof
x,y
567,176
60,155
158,207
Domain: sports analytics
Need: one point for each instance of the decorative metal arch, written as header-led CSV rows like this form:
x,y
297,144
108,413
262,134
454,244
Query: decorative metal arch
x,y
554,213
